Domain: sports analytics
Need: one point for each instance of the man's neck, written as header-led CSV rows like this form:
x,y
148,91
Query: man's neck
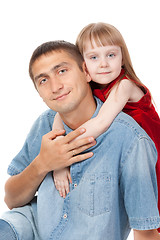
x,y
80,115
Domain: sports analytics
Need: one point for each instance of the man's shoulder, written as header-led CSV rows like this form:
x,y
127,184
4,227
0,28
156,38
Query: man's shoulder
x,y
128,124
124,124
49,113
43,123
46,116
124,134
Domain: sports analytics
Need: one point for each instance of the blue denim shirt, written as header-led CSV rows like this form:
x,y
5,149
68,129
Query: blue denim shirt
x,y
111,193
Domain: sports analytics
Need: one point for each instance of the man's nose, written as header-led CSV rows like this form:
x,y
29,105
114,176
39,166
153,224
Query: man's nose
x,y
55,84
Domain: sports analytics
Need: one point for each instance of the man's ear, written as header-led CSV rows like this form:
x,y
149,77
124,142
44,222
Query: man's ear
x,y
85,70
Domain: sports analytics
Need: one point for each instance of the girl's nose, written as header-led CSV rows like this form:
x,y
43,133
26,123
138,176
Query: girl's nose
x,y
104,62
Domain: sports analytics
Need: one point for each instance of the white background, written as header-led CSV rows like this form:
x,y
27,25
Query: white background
x,y
26,24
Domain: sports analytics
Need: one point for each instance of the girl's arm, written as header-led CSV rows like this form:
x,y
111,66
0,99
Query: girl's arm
x,y
146,235
117,99
94,127
61,177
57,124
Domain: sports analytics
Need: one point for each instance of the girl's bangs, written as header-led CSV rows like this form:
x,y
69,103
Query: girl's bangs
x,y
103,38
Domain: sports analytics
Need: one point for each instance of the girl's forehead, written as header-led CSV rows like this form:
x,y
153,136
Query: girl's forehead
x,y
95,43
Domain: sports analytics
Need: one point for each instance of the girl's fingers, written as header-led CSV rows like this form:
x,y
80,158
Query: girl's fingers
x,y
69,178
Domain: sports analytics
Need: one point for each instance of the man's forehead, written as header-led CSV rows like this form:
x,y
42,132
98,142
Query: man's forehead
x,y
51,62
55,57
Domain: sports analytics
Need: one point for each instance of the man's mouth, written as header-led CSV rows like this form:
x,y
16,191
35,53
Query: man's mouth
x,y
62,96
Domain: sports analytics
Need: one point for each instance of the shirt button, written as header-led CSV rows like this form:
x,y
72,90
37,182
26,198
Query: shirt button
x,y
75,185
65,215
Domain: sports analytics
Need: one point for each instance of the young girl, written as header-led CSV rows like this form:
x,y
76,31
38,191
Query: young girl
x,y
116,84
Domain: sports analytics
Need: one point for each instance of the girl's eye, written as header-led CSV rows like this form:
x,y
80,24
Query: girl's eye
x,y
110,55
93,57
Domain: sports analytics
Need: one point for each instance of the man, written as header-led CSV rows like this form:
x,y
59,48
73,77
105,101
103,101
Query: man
x,y
112,191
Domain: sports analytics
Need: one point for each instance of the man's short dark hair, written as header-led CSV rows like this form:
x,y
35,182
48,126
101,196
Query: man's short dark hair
x,y
52,46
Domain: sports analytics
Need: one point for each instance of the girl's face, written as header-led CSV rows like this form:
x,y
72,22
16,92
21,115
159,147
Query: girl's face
x,y
103,63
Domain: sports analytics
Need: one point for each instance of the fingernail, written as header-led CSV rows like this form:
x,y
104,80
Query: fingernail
x,y
90,154
82,130
91,139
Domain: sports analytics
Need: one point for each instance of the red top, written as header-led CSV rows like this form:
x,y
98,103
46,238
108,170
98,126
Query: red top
x,y
144,114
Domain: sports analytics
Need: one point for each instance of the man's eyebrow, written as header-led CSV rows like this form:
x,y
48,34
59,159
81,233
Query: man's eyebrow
x,y
60,65
39,76
54,68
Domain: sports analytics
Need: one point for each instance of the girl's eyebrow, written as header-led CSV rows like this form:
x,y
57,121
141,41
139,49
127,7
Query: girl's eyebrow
x,y
92,51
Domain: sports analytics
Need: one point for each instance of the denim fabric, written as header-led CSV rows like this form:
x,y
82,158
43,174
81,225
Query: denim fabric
x,y
23,221
112,192
6,232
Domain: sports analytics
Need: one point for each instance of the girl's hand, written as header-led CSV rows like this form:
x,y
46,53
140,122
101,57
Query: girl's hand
x,y
62,178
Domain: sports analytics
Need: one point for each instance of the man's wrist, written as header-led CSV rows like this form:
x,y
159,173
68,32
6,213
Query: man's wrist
x,y
39,167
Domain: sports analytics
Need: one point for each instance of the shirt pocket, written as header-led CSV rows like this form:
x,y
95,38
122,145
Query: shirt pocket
x,y
94,194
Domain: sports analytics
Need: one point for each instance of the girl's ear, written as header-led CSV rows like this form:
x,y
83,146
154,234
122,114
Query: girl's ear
x,y
85,70
123,63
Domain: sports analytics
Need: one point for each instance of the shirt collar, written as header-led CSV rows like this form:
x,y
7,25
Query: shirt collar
x,y
99,104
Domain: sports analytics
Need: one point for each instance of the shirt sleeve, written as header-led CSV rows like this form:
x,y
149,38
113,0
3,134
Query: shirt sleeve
x,y
139,185
32,143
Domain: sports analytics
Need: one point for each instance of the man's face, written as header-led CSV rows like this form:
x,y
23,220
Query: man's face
x,y
60,82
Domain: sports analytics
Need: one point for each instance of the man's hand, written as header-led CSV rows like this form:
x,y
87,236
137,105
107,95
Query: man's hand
x,y
21,188
61,153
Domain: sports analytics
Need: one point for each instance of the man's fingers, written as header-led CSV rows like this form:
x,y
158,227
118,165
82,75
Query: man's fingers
x,y
79,158
72,135
81,145
53,134
82,148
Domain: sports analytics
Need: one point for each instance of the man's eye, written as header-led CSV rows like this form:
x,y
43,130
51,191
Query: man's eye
x,y
62,71
43,80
